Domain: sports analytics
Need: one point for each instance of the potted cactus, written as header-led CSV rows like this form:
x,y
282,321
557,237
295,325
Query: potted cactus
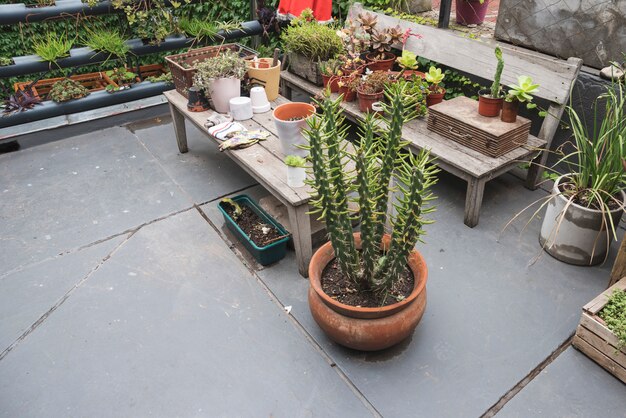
x,y
519,93
435,76
367,289
490,101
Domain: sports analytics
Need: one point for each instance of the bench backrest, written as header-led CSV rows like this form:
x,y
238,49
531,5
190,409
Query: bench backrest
x,y
555,76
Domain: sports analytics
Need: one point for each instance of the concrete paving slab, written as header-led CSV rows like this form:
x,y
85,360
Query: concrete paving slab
x,y
491,318
26,295
171,325
203,172
571,386
67,194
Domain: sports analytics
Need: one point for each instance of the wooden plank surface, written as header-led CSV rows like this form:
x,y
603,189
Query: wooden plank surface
x,y
604,361
599,301
263,161
602,345
555,76
451,156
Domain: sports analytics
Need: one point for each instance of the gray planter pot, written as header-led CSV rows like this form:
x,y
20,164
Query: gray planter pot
x,y
305,68
581,238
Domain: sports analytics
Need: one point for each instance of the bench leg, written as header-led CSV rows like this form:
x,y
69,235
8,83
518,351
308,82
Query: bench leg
x,y
301,232
286,90
533,178
179,129
473,201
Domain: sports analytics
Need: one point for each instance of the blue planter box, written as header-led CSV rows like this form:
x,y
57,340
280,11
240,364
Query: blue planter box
x,y
269,254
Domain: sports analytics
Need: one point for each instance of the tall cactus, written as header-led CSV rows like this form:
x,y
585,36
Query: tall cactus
x,y
495,87
378,159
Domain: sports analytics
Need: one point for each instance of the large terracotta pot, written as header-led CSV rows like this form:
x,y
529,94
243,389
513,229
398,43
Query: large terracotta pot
x,y
488,106
367,329
579,237
290,120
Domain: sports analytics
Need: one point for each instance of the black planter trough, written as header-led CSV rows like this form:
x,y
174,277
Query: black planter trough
x,y
95,100
81,56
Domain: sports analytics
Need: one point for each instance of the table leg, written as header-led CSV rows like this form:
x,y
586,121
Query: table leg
x,y
179,129
301,232
473,201
286,90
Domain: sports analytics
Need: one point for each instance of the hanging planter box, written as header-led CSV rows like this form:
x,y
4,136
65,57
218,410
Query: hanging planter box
x,y
183,65
92,82
597,341
269,253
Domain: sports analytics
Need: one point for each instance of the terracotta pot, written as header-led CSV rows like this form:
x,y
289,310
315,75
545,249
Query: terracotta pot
x,y
290,131
471,12
331,81
367,329
366,100
488,106
509,111
348,95
385,64
408,75
434,98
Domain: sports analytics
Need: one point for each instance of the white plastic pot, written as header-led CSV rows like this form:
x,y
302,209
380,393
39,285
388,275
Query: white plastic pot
x,y
222,90
296,176
290,120
580,238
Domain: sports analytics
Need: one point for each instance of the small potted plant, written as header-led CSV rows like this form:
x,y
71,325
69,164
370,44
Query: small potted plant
x,y
380,57
296,171
369,311
351,65
490,101
290,120
330,71
348,85
307,43
371,89
261,234
408,65
435,95
67,89
220,78
519,93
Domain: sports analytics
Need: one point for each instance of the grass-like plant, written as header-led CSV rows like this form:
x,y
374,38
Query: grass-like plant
x,y
312,40
378,160
198,28
107,41
51,47
614,314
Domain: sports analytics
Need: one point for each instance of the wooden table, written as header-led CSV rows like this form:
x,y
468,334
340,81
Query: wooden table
x,y
264,162
450,156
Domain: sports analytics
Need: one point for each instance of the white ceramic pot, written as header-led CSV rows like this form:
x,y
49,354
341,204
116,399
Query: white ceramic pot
x,y
222,90
296,176
580,239
290,120
241,108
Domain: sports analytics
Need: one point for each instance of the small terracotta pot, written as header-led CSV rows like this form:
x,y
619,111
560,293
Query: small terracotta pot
x,y
325,80
385,64
348,95
509,111
367,329
488,106
434,98
408,75
366,100
331,81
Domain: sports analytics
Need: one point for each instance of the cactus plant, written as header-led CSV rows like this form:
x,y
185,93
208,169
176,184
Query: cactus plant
x,y
378,161
495,87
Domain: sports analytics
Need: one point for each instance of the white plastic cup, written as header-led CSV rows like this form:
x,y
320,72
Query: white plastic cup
x,y
241,108
296,176
260,104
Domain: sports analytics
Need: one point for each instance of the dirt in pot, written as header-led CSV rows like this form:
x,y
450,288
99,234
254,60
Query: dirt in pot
x,y
343,290
260,232
296,118
586,198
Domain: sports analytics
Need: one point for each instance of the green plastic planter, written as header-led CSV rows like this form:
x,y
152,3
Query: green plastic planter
x,y
264,255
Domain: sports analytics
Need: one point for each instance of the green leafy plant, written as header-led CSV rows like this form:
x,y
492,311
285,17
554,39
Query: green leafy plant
x,y
121,76
4,61
416,89
522,91
495,87
378,159
614,315
295,161
435,76
330,67
166,77
312,40
227,64
51,47
108,41
67,89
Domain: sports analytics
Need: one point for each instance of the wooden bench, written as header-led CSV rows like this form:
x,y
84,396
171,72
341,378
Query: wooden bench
x,y
447,47
264,162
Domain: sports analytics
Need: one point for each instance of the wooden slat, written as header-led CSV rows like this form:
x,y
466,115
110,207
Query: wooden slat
x,y
604,361
451,156
602,345
260,160
455,50
599,301
619,266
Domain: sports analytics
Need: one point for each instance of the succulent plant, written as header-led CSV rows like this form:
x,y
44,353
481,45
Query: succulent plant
x,y
374,82
67,89
295,161
495,87
378,160
522,91
19,102
434,76
367,21
381,41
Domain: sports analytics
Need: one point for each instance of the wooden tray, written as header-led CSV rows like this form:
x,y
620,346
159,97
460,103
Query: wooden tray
x,y
92,82
458,120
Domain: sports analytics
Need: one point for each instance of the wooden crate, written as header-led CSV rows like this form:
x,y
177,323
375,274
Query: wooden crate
x,y
458,120
597,341
92,81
